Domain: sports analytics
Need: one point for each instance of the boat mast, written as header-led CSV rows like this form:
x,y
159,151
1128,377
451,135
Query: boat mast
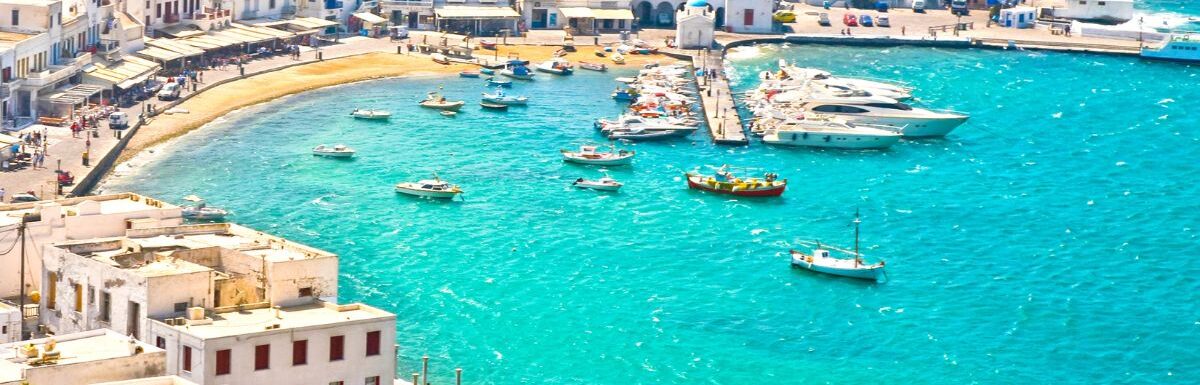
x,y
857,258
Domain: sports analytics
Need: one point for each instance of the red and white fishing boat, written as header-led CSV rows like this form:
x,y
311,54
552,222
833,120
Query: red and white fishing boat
x,y
724,182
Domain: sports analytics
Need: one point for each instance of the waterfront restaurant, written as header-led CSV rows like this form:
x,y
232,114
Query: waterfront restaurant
x,y
477,20
591,21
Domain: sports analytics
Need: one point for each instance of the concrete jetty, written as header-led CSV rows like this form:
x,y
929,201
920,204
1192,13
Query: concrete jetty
x,y
716,99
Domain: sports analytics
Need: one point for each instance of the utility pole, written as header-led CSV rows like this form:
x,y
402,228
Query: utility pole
x,y
21,228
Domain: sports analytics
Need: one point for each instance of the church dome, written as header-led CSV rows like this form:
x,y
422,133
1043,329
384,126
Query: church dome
x,y
698,3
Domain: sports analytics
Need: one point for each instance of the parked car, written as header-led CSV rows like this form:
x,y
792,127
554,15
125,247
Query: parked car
x,y
865,21
170,91
850,20
784,16
882,21
959,7
918,6
24,197
823,19
118,120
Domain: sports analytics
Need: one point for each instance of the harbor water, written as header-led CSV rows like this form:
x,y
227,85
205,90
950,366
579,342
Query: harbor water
x,y
1050,239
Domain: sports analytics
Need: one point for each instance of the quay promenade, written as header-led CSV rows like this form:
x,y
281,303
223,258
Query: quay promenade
x,y
716,99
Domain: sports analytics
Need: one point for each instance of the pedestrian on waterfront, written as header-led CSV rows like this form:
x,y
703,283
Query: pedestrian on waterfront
x,y
39,159
902,30
200,76
74,129
1067,30
2,194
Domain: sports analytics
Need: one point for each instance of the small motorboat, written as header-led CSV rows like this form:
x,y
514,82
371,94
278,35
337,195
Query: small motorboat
x,y
556,66
440,59
600,53
469,74
724,182
618,58
487,44
201,211
589,155
500,98
487,71
448,113
335,151
599,67
493,82
625,94
640,134
371,114
603,184
821,261
493,106
516,69
436,101
435,188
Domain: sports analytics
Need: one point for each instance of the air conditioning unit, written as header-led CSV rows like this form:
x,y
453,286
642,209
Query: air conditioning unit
x,y
195,313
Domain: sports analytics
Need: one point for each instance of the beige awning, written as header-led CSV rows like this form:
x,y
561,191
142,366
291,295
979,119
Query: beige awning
x,y
576,12
180,30
370,18
175,46
265,31
467,12
124,74
612,14
251,36
159,54
232,36
6,139
312,22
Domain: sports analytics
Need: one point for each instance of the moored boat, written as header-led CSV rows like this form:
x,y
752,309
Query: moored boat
x,y
335,151
618,58
487,71
499,97
556,66
201,211
371,114
487,44
436,101
440,59
589,155
831,133
469,74
640,134
724,182
493,106
429,188
599,67
493,82
449,113
516,69
603,184
820,260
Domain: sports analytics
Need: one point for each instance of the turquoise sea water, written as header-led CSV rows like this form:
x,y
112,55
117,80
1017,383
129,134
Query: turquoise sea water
x,y
1051,239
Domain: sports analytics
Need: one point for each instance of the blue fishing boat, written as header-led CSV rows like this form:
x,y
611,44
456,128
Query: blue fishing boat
x,y
626,94
499,97
493,82
487,71
516,69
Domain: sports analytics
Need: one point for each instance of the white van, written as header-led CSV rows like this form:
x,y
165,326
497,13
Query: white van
x,y
118,120
918,6
170,91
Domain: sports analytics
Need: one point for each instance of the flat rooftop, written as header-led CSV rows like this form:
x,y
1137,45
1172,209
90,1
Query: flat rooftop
x,y
14,37
103,204
232,323
89,346
165,250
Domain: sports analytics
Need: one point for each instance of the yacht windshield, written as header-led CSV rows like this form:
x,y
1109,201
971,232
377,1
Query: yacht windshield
x,y
891,106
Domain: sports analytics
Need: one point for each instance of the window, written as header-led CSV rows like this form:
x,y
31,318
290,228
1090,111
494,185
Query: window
x,y
222,362
181,307
337,383
78,298
271,4
91,295
187,359
262,357
105,306
160,342
372,380
373,343
1101,3
299,352
16,17
335,347
158,10
51,277
306,292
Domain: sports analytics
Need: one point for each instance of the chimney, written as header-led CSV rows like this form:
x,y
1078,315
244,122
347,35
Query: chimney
x,y
278,313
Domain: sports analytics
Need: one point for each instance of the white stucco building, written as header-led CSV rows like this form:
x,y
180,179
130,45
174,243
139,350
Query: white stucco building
x,y
749,16
1109,11
319,342
82,358
71,219
10,323
122,282
741,16
694,27
581,16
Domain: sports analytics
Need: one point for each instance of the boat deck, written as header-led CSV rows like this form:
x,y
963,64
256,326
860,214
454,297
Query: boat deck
x,y
720,112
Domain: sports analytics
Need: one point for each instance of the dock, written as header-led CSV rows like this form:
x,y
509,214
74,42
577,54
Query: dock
x,y
716,99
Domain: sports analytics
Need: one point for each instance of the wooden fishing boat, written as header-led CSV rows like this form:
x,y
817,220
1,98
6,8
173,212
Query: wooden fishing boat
x,y
598,67
516,69
440,59
600,53
589,155
724,182
487,44
618,58
820,260
493,106
469,74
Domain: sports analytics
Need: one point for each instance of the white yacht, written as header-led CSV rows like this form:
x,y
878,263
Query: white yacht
x,y
831,133
634,122
792,74
1175,47
910,121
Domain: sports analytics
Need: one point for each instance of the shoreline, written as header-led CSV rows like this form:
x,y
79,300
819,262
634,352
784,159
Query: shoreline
x,y
219,101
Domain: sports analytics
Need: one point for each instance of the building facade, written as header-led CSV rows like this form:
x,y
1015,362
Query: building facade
x,y
694,27
80,359
578,16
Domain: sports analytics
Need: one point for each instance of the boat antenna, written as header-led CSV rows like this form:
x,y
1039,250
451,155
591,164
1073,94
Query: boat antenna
x,y
857,221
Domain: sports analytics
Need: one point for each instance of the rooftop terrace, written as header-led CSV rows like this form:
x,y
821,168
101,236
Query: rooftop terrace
x,y
102,204
89,346
232,322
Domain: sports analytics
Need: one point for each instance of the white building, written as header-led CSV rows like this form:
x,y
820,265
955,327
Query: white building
x,y
1105,11
581,16
694,27
80,359
476,17
749,16
10,323
122,282
71,219
160,380
320,343
1018,17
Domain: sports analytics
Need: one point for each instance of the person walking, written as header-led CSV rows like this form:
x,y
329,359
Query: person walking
x,y
2,194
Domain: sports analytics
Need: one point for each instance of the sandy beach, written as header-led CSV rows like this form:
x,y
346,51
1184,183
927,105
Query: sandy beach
x,y
226,98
